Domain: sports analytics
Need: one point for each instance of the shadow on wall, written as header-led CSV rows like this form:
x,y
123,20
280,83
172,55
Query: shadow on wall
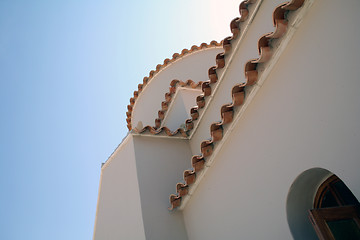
x,y
301,198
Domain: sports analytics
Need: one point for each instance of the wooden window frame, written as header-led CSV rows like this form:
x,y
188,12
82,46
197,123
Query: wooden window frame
x,y
324,187
319,217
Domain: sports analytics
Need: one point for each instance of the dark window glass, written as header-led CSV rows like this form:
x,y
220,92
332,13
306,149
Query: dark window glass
x,y
329,200
344,229
345,194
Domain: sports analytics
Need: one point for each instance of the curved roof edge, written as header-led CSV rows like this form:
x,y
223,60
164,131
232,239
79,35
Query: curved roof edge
x,y
205,86
167,62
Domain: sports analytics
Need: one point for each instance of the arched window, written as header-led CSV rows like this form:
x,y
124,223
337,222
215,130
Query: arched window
x,y
336,213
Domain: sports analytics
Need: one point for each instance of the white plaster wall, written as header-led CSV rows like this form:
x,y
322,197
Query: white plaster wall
x,y
194,66
179,110
118,214
160,163
305,115
189,98
248,50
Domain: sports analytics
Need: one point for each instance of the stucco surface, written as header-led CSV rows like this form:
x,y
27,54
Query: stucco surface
x,y
159,164
180,108
119,211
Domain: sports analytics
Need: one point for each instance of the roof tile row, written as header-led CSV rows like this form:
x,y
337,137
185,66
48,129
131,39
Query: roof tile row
x,y
280,15
235,27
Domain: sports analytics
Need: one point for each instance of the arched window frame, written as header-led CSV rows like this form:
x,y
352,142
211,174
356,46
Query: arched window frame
x,y
320,216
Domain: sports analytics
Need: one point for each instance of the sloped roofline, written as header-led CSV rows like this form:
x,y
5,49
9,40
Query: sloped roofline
x,y
268,55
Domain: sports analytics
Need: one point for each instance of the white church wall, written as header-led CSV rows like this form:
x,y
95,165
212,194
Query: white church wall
x,y
179,109
234,74
193,66
188,97
118,214
160,163
306,115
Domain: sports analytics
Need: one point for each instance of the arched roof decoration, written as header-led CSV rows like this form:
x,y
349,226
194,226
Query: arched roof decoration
x,y
205,86
280,15
157,129
152,73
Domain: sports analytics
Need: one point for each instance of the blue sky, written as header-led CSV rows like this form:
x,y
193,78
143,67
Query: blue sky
x,y
67,71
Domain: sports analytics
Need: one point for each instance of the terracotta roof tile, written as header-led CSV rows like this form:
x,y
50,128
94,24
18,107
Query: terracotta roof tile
x,y
293,5
238,95
205,87
175,201
227,112
162,131
220,60
182,189
207,148
198,162
212,74
189,177
194,114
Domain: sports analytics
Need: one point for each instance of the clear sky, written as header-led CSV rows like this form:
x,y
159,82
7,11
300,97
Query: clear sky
x,y
67,70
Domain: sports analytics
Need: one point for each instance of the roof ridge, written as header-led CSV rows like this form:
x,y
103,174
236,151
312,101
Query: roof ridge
x,y
159,67
280,21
